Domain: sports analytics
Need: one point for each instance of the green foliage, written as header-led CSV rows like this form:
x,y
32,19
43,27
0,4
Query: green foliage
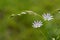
x,y
20,27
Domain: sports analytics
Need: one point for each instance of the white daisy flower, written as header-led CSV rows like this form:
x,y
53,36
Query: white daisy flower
x,y
53,38
37,24
47,17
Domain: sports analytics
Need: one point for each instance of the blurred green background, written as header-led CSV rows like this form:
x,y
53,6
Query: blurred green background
x,y
20,27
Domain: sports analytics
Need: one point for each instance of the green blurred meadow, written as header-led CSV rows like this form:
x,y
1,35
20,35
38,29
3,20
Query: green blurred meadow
x,y
20,27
